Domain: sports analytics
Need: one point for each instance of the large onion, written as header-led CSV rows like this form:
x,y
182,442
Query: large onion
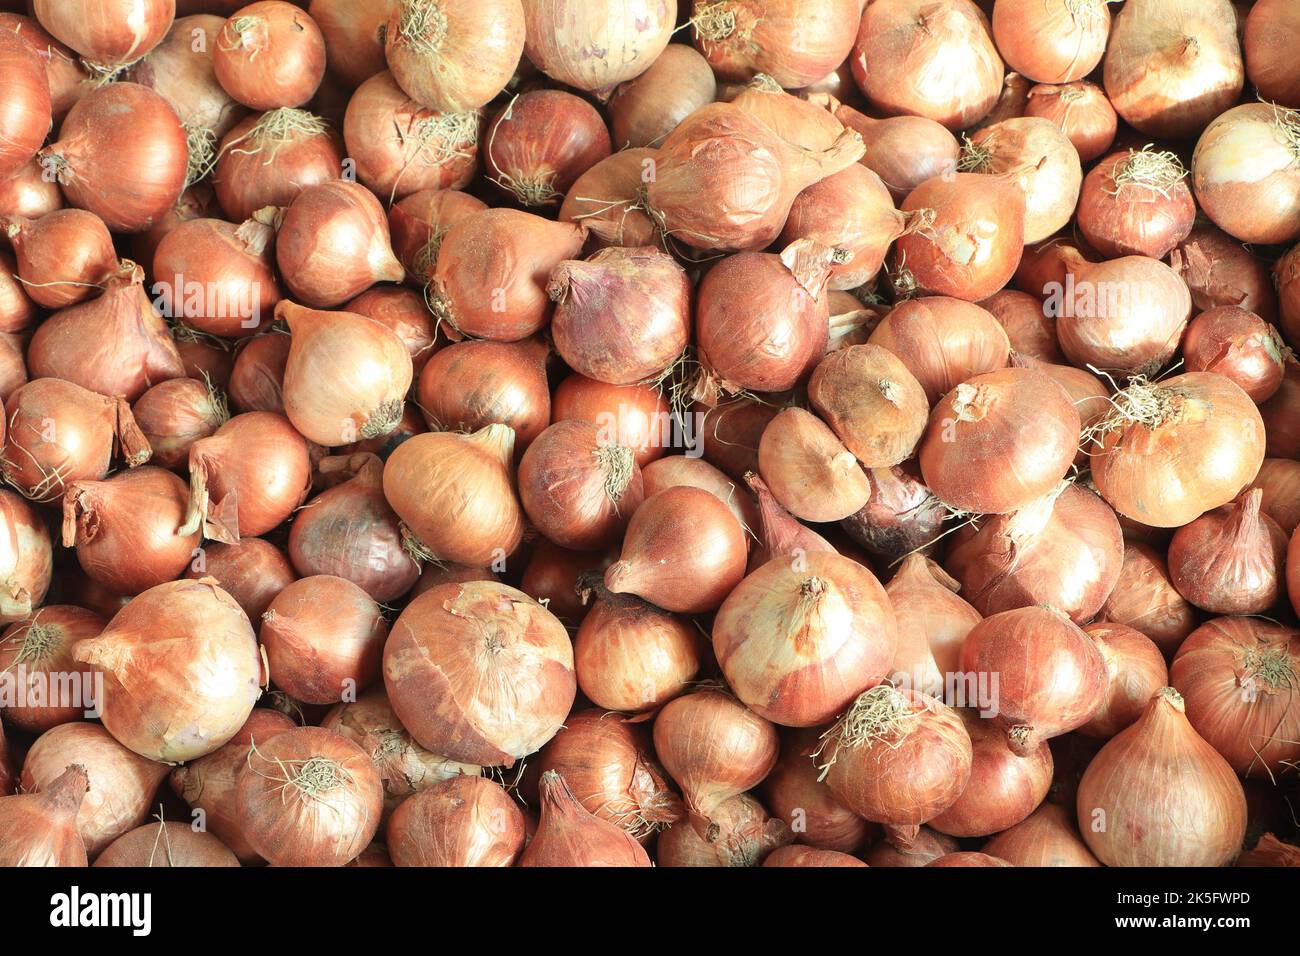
x,y
1135,669
1057,41
591,47
1136,203
269,55
470,385
109,34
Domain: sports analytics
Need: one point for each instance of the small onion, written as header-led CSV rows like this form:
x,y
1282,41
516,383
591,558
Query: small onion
x,y
607,200
664,473
1135,669
553,575
418,223
644,110
1081,111
67,74
806,856
808,470
174,414
902,515
257,377
1146,600
904,151
779,533
270,55
470,385
1047,837
62,256
461,821
1231,560
540,142
730,432
28,193
1237,344
1053,42
1136,204
37,652
13,366
252,572
268,159
1030,330
167,844
942,342
39,829
1281,415
932,627
593,47
740,833
968,859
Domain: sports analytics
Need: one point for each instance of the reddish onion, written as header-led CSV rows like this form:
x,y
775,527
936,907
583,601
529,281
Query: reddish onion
x,y
28,193
39,829
1053,42
779,533
25,110
1270,60
932,629
354,36
927,846
796,42
644,110
1246,173
942,342
806,804
13,366
26,558
252,572
591,47
174,414
37,653
540,142
419,222
808,470
1081,111
257,378
665,473
568,835
1279,479
1048,837
902,515
195,202
461,821
1030,331
1230,560
267,160
473,384
607,200
1135,669
730,432
167,844
112,33
1281,415
1221,271
1240,345
269,55
739,833
552,577
1136,204
1146,600
62,257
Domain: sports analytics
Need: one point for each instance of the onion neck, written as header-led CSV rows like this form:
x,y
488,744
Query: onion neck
x,y
63,797
497,441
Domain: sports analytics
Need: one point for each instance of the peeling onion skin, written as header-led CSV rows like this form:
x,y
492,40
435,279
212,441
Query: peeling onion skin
x,y
38,829
1219,271
1135,669
1048,837
461,821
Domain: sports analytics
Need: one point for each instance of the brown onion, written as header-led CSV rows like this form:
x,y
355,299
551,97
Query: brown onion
x,y
1030,331
739,833
1221,271
1293,571
1136,204
1053,42
174,414
470,385
1279,479
13,366
268,159
665,473
591,47
607,200
354,36
39,829
1036,154
1238,344
1146,600
26,558
942,342
1231,560
1270,62
1047,837
1081,111
646,109
796,42
552,577
25,111
796,796
931,628
902,515
1135,669
167,845
62,257
1246,173
1280,415
568,835
419,222
779,533
37,653
808,470
461,821
28,193
730,432
112,33
257,379
65,72
927,846
904,151
540,142
252,572
269,55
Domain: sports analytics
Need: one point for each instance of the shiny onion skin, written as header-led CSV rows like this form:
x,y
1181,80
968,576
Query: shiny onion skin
x,y
65,73
26,193
456,495
1038,157
932,625
1159,795
41,461
309,797
942,342
998,441
125,529
349,531
1279,479
795,794
461,821
592,47
808,470
108,34
472,384
897,757
1198,424
740,833
714,747
606,199
1145,600
901,516
623,316
268,159
807,856
970,239
1047,837
269,55
39,829
1238,344
500,664
129,173
762,320
796,42
1220,271
1057,41
904,151
1081,111
167,844
800,640
1237,676
665,473
1051,678
26,558
256,382
334,400
62,257
246,478
252,572
160,698
926,846
644,110
1135,669
418,223
539,143
1004,787
1231,560
1270,62
354,36
1136,203
401,147
1030,331
333,244
116,344
174,414
491,272
683,550
551,575
578,486
568,835
25,110
38,651
1172,66
1064,550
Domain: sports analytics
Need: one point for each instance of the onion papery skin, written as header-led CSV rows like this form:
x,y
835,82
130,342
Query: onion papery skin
x,y
1146,600
665,473
998,441
62,256
740,833
1246,173
796,796
1173,65
901,516
174,414
1031,332
1220,271
484,523
354,37
1054,42
1051,677
130,174
39,829
1270,65
540,142
1238,344
247,478
1036,154
509,255
568,835
37,652
501,663
252,572
1230,560
25,113
1082,112
26,193
937,62
1237,678
796,43
116,344
904,151
1126,211
26,558
808,470
683,550
470,385
943,341
807,856
268,159
167,845
623,316
1279,479
1047,837
1135,669
1159,795
461,821
112,33
644,110
125,529
418,223
1202,424
593,47
971,239
309,797
1004,787
926,846
270,55
607,200
730,432
825,625
932,629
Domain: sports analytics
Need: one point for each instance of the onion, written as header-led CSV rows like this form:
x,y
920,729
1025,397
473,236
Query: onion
x,y
354,34
1173,450
111,34
684,551
806,856
796,42
419,222
1238,344
541,142
897,757
902,515
762,320
501,664
730,432
1054,42
1279,480
473,384
1281,416
665,473
968,859
1011,102
932,629
1159,779
125,529
1145,600
926,847
1270,63
1049,262
799,641
942,342
740,833
779,533
17,311
453,57
252,572
1004,787
26,558
455,493
37,652
904,151
1231,560
808,470
208,784
309,797
333,244
1293,571
552,577
593,47
1036,154
970,237
257,379
28,193
1047,837
998,441
491,273
400,147
646,109
167,845
174,414
268,160
723,180
13,366
1246,173
1081,111
197,201
1221,271
62,256
1030,331
806,804
39,829
568,835
1136,204
461,821
607,199
65,73
1135,669
127,172
269,55
122,784
59,433
714,747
